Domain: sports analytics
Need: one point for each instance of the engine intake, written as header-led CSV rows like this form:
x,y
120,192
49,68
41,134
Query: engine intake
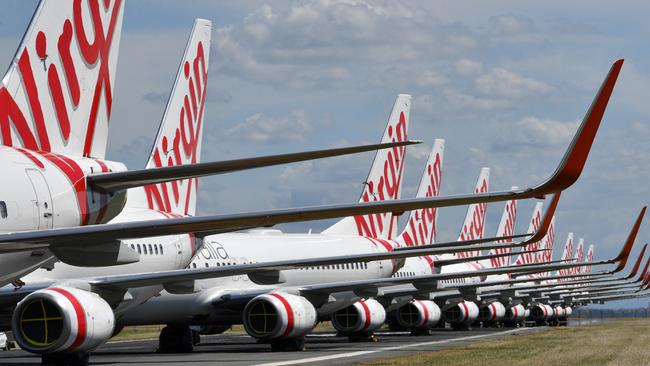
x,y
515,313
541,312
62,319
362,317
279,315
418,314
463,312
492,312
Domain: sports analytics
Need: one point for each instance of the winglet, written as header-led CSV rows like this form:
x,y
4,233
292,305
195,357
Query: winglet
x,y
546,219
638,264
576,155
644,273
621,258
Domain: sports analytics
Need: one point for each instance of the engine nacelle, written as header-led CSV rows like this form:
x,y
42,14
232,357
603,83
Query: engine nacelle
x,y
559,312
540,312
279,315
568,311
515,313
362,317
62,319
492,312
418,314
463,312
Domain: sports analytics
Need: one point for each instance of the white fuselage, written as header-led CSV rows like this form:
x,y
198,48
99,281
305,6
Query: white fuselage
x,y
260,246
44,191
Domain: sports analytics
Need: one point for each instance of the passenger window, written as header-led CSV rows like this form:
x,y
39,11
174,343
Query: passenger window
x,y
161,249
155,247
206,264
193,265
150,249
3,209
139,251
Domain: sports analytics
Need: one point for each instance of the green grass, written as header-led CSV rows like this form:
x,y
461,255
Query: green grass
x,y
615,342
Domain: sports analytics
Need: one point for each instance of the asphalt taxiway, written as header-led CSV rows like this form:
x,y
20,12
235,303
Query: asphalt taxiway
x,y
235,349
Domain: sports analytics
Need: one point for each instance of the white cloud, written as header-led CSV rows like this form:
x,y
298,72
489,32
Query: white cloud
x,y
466,67
268,130
542,131
501,82
511,24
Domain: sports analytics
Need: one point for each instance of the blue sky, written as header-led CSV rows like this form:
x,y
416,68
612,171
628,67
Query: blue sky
x,y
504,82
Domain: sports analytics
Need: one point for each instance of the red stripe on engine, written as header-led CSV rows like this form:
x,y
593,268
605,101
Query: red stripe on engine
x,y
81,317
366,310
466,310
289,311
494,311
426,312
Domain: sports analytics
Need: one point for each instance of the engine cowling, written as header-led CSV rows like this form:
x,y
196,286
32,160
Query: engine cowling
x,y
492,312
362,317
279,315
515,313
568,311
62,319
462,312
418,314
540,312
559,312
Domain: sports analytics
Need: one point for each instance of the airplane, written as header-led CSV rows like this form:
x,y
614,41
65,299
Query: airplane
x,y
565,175
55,103
508,288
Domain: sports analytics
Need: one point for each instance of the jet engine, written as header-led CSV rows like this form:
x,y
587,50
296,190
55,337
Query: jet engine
x,y
461,313
362,317
540,312
62,320
568,311
492,312
279,315
418,314
515,313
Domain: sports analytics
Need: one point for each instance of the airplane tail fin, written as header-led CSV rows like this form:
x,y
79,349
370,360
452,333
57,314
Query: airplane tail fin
x,y
547,245
180,135
589,258
474,224
384,180
58,91
580,255
506,228
421,226
535,220
566,254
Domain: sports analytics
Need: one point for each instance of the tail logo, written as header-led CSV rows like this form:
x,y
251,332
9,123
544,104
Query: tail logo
x,y
95,54
475,229
508,230
387,185
181,146
421,228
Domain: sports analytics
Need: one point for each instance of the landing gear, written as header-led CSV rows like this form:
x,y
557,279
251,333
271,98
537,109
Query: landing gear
x,y
66,359
366,337
461,326
177,339
289,345
421,331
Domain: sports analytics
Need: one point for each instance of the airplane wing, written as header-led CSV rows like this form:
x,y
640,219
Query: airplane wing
x,y
116,181
156,278
565,175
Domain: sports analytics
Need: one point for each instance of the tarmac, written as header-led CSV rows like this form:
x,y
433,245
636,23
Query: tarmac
x,y
322,349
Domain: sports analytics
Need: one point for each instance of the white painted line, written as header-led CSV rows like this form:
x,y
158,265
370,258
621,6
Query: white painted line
x,y
384,349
